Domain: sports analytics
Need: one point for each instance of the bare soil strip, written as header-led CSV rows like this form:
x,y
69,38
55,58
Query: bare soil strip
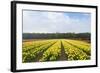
x,y
63,55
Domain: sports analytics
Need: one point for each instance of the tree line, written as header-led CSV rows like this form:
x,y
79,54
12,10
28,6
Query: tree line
x,y
56,36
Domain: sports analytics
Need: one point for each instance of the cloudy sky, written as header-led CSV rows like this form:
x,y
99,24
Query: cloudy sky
x,y
52,22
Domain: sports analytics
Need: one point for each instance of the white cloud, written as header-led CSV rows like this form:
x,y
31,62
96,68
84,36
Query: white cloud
x,y
49,22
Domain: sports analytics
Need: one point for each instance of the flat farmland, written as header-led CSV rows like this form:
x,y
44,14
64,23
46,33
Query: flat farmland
x,y
55,50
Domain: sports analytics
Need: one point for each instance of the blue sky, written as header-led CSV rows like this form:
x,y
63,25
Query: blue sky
x,y
52,22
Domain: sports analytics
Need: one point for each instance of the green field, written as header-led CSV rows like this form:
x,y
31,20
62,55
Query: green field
x,y
55,50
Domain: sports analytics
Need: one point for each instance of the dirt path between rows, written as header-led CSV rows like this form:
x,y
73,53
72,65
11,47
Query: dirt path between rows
x,y
63,56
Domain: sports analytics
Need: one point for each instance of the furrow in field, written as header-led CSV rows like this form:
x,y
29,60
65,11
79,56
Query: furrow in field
x,y
63,55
